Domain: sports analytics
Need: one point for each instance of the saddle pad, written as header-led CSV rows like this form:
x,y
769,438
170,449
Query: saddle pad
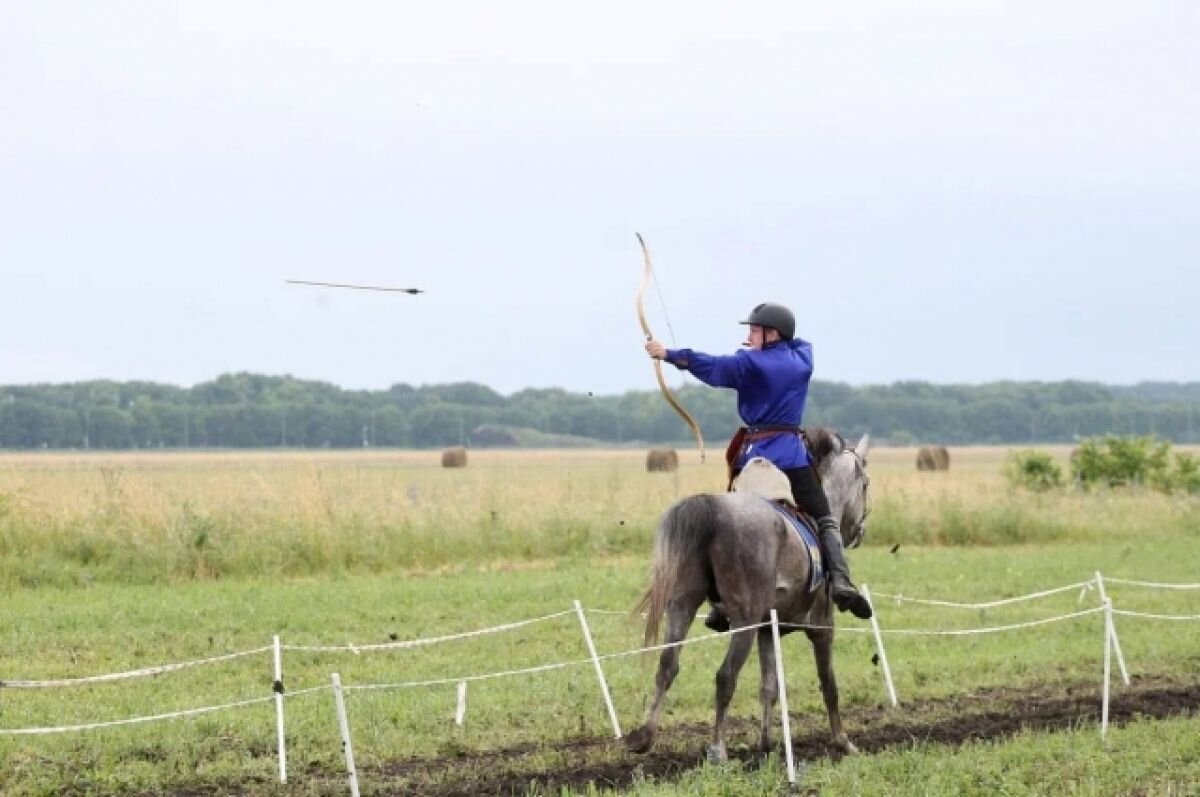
x,y
808,536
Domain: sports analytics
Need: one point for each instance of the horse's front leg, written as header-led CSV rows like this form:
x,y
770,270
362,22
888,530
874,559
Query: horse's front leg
x,y
822,642
769,693
727,675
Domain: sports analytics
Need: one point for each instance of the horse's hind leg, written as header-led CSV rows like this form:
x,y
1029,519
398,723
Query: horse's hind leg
x,y
680,614
822,642
727,675
769,692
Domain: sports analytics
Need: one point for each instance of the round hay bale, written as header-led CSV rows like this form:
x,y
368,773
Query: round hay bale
x,y
454,457
664,460
943,458
933,458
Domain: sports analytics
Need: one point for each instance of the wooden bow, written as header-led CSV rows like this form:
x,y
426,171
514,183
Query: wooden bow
x,y
662,383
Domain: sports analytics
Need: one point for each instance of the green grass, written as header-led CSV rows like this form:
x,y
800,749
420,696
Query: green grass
x,y
61,633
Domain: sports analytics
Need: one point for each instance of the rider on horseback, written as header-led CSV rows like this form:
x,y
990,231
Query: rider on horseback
x,y
771,380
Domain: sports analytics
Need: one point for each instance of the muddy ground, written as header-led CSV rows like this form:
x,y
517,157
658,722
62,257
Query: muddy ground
x,y
993,714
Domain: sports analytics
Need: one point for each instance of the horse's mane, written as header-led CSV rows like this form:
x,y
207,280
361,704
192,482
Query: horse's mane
x,y
823,443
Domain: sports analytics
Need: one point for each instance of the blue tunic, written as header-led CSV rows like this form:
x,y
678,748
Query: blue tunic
x,y
772,388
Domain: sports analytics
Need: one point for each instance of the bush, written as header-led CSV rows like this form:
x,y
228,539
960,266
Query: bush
x,y
1033,470
1116,461
1187,473
1183,478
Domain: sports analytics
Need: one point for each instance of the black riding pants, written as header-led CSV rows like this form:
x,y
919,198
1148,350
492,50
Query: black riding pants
x,y
807,492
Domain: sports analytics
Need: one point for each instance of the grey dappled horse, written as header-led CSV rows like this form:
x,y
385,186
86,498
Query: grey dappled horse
x,y
737,546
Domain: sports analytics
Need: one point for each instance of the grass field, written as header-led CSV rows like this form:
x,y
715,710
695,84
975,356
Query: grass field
x,y
116,562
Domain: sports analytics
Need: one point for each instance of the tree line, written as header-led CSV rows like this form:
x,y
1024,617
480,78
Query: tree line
x,y
255,411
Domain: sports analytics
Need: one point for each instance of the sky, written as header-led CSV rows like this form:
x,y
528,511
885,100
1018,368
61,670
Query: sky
x,y
942,191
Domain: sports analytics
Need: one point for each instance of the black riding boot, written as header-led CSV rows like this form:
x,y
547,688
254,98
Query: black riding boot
x,y
845,595
717,621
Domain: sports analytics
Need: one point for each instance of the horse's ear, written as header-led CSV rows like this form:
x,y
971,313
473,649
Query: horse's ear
x,y
863,445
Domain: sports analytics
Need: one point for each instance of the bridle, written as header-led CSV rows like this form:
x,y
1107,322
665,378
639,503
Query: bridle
x,y
860,470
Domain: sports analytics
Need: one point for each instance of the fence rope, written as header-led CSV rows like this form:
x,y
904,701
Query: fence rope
x,y
841,629
190,712
1150,584
991,604
627,614
464,678
963,631
173,667
413,643
405,644
682,642
118,676
545,667
1157,616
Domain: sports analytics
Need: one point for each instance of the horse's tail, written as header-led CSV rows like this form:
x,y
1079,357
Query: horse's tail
x,y
683,535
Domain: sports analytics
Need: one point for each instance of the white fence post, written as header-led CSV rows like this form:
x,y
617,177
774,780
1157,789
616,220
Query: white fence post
x,y
783,704
1108,640
340,701
278,689
883,662
460,712
587,635
1113,630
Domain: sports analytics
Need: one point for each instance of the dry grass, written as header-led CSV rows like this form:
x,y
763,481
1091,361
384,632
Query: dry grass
x,y
148,516
153,515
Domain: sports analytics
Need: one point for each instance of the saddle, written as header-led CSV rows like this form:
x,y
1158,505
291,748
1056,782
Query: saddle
x,y
761,478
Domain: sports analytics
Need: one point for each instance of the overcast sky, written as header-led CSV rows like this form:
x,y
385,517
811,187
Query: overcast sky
x,y
947,191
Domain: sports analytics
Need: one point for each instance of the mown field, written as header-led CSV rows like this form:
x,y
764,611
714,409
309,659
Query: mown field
x,y
112,563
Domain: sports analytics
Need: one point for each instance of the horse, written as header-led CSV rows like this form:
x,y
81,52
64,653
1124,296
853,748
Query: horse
x,y
737,546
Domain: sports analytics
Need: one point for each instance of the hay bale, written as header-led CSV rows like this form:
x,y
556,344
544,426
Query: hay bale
x,y
454,457
942,457
664,460
933,458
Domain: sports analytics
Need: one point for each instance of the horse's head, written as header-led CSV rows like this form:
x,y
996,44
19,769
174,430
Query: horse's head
x,y
844,476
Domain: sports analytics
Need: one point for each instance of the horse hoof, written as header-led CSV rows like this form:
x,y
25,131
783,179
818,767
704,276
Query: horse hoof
x,y
640,741
844,744
717,754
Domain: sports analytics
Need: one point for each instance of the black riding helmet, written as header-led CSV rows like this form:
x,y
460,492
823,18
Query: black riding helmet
x,y
775,316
